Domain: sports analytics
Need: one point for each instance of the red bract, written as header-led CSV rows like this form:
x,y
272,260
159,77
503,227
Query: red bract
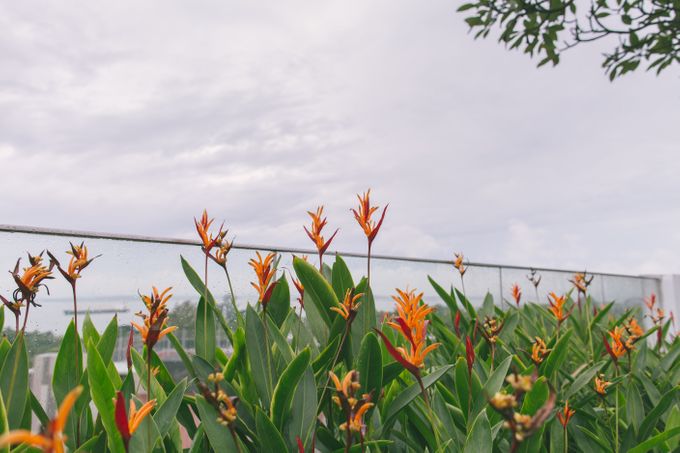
x,y
397,355
456,323
469,354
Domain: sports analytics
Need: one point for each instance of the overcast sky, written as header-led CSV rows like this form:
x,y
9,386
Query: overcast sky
x,y
130,118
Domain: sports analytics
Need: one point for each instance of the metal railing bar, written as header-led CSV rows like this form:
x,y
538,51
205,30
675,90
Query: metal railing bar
x,y
292,250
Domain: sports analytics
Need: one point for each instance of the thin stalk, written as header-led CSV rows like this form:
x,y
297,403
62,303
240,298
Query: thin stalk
x,y
566,440
616,412
75,347
16,328
148,388
348,434
231,292
266,344
430,413
233,434
368,265
28,307
299,326
320,263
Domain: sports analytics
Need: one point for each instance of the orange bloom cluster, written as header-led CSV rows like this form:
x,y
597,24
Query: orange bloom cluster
x,y
621,345
314,233
300,288
32,277
264,271
458,263
412,325
154,326
538,351
223,403
581,282
516,292
348,308
557,307
601,385
565,415
208,241
363,216
346,398
52,439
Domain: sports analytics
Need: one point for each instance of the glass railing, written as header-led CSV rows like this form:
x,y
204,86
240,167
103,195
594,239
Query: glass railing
x,y
129,265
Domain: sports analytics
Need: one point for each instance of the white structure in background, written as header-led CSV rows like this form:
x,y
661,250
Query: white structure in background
x,y
41,384
670,293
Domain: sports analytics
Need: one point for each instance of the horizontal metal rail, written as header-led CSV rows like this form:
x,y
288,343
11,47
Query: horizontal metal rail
x,y
175,241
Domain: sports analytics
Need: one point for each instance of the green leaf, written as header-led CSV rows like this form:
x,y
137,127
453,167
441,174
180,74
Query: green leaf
x,y
103,394
582,380
653,417
479,438
365,320
14,381
341,278
370,366
303,412
492,385
557,355
166,413
649,444
279,303
317,289
66,376
199,286
409,394
257,347
285,388
269,437
89,331
4,424
205,331
219,436
536,397
635,409
146,437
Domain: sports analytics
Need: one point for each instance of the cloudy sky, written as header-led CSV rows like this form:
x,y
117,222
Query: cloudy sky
x,y
130,118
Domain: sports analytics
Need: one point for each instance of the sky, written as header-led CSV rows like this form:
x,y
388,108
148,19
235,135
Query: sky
x,y
131,118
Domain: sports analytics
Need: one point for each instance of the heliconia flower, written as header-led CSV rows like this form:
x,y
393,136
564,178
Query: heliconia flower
x,y
78,262
208,241
315,234
346,398
154,326
565,415
298,285
13,306
300,445
491,329
223,248
601,385
412,325
521,383
538,351
469,354
516,292
634,329
458,263
581,282
363,216
650,301
52,439
349,306
131,340
264,271
557,307
502,401
32,277
223,403
128,424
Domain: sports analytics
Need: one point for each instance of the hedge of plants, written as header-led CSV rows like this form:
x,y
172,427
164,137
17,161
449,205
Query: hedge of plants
x,y
312,368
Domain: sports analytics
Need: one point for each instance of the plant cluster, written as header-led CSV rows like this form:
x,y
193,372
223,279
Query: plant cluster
x,y
317,371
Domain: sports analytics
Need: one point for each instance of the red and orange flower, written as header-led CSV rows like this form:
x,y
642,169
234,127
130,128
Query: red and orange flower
x,y
349,306
363,216
154,326
565,415
315,232
128,424
516,292
557,308
264,271
346,398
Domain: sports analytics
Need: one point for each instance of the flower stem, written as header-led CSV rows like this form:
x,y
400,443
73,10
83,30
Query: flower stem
x,y
28,307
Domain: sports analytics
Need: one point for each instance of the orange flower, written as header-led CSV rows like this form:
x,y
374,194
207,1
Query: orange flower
x,y
52,440
32,277
557,307
363,216
348,308
347,400
565,415
538,351
411,324
581,282
619,346
634,328
128,424
208,241
458,263
154,327
516,293
265,274
78,262
601,385
317,226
